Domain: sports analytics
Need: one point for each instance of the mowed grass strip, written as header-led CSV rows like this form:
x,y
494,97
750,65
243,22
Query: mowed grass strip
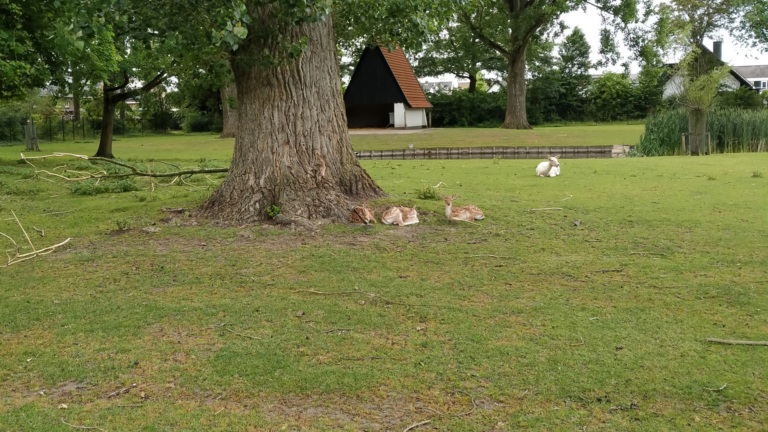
x,y
539,335
176,146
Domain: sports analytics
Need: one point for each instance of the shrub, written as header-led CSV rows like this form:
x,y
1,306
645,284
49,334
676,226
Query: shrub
x,y
462,109
92,187
731,130
273,211
427,193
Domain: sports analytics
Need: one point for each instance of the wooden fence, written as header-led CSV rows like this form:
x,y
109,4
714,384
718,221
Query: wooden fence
x,y
574,152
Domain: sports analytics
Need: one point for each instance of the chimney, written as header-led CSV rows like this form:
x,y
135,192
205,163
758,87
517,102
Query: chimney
x,y
717,48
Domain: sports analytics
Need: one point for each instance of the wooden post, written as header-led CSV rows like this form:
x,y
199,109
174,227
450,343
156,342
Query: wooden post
x,y
429,124
683,138
405,118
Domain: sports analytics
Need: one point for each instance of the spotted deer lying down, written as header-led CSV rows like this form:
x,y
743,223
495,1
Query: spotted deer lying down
x,y
467,213
549,168
401,216
362,215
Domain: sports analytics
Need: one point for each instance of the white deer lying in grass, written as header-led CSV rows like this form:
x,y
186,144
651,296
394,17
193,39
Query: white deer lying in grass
x,y
467,213
401,216
549,168
362,215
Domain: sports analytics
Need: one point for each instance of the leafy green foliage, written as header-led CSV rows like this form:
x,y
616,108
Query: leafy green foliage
x,y
456,50
460,108
731,130
273,211
427,193
93,187
742,97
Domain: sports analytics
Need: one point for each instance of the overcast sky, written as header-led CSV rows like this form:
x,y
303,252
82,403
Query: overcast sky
x,y
590,24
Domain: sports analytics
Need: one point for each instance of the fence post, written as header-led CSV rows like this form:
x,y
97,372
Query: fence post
x,y
50,130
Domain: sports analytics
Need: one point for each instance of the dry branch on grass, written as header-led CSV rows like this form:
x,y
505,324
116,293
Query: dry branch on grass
x,y
122,391
546,208
82,427
241,334
415,425
135,172
17,257
737,342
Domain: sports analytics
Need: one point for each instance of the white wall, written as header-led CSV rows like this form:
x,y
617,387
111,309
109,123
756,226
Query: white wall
x,y
409,117
674,85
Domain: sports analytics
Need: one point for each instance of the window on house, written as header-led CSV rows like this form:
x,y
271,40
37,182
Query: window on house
x,y
761,84
66,103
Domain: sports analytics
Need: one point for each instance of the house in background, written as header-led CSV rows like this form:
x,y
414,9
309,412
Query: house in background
x,y
758,75
438,86
384,91
732,81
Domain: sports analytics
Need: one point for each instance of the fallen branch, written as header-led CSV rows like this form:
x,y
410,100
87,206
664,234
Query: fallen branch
x,y
17,258
415,425
647,253
566,199
121,391
371,295
737,342
42,232
241,334
547,208
474,405
82,427
609,271
135,172
582,340
716,389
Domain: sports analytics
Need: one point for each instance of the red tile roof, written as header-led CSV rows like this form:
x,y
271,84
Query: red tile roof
x,y
406,78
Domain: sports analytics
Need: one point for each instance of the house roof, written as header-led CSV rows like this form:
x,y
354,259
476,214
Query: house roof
x,y
405,77
743,81
757,71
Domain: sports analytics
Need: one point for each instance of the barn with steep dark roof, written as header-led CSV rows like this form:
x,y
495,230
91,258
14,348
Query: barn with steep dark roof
x,y
384,91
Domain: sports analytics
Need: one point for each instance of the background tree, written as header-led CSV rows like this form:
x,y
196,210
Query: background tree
x,y
573,67
456,50
292,149
509,26
611,97
695,20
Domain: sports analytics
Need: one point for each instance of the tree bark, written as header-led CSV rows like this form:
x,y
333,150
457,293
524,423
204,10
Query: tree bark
x,y
697,131
76,105
107,127
516,116
228,113
472,83
292,148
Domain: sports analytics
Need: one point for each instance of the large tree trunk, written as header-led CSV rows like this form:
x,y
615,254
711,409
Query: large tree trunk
x,y
228,113
107,125
516,116
292,148
697,131
472,83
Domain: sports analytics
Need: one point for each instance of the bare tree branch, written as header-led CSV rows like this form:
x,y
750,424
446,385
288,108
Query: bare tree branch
x,y
135,172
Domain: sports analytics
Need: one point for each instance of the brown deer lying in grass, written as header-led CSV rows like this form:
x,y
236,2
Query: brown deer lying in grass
x,y
401,216
467,213
362,215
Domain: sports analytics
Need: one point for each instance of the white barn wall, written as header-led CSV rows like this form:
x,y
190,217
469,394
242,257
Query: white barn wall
x,y
409,117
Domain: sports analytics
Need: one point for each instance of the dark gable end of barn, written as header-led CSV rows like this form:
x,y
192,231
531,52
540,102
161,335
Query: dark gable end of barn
x,y
378,83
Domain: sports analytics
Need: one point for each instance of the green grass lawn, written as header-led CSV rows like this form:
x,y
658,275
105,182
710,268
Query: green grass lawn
x,y
193,146
533,337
